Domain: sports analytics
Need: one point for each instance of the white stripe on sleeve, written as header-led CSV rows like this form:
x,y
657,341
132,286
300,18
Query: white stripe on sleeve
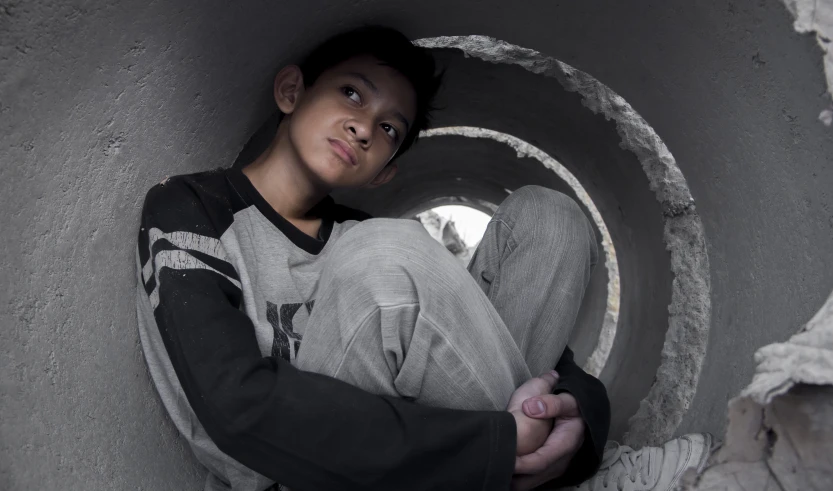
x,y
179,260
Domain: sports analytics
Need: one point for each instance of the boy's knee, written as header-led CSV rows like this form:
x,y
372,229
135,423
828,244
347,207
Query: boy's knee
x,y
527,201
545,214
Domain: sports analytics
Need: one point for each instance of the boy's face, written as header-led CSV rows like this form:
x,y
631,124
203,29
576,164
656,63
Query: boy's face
x,y
347,126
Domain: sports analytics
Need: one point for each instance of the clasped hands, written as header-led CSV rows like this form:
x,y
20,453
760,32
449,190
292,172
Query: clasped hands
x,y
550,431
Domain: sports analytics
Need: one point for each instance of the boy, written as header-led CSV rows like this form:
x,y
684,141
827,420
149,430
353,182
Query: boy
x,y
294,340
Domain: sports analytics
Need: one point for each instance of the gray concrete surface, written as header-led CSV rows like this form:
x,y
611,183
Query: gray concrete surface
x,y
100,100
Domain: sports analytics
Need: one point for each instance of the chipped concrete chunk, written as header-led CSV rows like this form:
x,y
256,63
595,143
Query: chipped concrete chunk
x,y
780,433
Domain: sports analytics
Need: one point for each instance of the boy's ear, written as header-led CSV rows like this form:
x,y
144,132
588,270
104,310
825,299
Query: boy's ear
x,y
288,88
384,176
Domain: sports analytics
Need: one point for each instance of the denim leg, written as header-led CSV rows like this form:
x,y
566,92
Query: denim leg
x,y
396,314
534,263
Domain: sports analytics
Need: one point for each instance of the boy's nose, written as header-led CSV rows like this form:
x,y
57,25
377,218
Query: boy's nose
x,y
361,131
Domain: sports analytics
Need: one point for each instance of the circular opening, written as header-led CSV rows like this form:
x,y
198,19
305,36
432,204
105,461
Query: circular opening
x,y
459,228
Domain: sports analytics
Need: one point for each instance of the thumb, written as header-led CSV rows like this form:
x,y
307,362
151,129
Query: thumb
x,y
549,406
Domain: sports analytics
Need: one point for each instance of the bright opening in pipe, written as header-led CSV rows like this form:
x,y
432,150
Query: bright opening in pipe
x,y
459,228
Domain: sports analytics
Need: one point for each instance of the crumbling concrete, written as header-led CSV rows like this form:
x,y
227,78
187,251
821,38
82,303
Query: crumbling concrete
x,y
780,434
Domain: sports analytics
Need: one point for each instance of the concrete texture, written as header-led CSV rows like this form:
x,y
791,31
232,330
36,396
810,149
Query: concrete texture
x,y
100,100
780,433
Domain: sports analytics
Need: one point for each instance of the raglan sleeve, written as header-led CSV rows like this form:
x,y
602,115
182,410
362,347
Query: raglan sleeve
x,y
304,430
591,396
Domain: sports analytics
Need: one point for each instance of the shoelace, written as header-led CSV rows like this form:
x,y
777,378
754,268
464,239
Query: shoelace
x,y
635,464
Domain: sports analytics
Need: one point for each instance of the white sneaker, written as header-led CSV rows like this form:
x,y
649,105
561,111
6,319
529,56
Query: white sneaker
x,y
649,468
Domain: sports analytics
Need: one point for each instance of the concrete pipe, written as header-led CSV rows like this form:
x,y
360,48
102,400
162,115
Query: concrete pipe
x,y
699,131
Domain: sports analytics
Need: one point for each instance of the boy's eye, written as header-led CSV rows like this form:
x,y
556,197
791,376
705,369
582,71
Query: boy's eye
x,y
351,93
391,131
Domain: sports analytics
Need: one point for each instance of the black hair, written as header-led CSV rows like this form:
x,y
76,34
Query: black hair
x,y
393,49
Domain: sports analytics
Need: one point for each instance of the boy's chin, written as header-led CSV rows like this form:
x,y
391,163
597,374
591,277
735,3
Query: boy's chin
x,y
337,180
336,176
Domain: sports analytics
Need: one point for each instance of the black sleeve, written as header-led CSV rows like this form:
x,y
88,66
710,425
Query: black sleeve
x,y
594,405
304,430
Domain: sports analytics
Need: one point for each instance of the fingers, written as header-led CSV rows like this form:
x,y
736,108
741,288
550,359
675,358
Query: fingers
x,y
561,445
543,383
550,377
549,455
542,407
538,461
536,386
550,406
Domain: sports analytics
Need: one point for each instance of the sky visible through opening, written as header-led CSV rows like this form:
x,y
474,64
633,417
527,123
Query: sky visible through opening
x,y
470,223
458,228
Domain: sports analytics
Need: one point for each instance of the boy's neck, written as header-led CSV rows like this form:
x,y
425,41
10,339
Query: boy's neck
x,y
278,177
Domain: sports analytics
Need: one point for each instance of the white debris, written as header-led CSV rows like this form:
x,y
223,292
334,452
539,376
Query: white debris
x,y
780,433
816,17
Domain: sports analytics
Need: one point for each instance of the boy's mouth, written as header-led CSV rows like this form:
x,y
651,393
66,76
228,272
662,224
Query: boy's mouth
x,y
344,151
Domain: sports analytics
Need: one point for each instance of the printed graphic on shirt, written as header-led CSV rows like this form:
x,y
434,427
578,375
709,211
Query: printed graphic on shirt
x,y
180,258
286,342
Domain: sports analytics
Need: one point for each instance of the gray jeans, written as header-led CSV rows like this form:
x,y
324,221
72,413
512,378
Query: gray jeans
x,y
405,319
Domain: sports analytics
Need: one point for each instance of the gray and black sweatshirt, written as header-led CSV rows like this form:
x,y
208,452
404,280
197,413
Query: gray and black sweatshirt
x,y
224,293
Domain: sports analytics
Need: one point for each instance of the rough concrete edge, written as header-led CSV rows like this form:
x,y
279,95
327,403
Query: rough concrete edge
x,y
684,349
598,358
816,17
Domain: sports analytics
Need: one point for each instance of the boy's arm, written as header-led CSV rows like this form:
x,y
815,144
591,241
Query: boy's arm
x,y
591,396
304,430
